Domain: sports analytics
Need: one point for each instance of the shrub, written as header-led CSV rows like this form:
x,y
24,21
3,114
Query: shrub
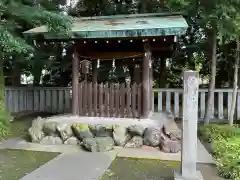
x,y
5,120
227,154
213,132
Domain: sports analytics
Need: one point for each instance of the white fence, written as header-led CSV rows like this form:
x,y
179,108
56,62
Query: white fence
x,y
44,99
58,100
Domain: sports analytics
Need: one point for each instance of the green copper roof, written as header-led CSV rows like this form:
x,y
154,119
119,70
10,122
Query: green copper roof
x,y
121,26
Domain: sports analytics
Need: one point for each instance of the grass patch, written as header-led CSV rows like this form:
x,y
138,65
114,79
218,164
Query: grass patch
x,y
150,169
139,169
15,164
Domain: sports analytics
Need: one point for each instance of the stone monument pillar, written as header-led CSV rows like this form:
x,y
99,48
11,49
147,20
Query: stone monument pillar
x,y
189,129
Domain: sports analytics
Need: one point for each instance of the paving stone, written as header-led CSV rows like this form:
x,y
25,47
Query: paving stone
x,y
74,166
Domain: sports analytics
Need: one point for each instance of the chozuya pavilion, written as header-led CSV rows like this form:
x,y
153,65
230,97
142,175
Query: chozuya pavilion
x,y
138,38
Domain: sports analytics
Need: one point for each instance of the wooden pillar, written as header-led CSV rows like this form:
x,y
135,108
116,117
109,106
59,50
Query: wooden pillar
x,y
94,71
75,83
151,109
145,81
94,85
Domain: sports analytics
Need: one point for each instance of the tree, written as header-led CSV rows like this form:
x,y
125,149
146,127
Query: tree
x,y
16,17
235,85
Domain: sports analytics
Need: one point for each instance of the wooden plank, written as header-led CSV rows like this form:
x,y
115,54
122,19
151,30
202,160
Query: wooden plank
x,y
101,110
202,104
36,100
134,93
60,101
106,100
139,100
30,101
16,100
117,100
85,98
54,103
128,104
229,103
95,96
220,105
67,100
42,100
122,100
80,99
21,99
111,100
49,98
10,101
90,103
168,102
160,107
176,104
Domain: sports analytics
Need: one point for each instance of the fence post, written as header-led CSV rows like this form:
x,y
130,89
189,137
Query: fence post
x,y
189,129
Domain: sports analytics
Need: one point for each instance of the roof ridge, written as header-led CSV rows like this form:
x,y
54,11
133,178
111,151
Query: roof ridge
x,y
130,16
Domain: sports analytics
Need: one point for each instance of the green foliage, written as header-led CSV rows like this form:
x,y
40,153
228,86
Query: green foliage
x,y
5,120
227,154
225,142
26,15
214,132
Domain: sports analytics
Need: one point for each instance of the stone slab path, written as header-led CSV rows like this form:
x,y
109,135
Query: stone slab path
x,y
74,166
203,155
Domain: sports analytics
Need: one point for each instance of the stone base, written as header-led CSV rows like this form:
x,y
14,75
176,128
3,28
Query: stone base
x,y
178,176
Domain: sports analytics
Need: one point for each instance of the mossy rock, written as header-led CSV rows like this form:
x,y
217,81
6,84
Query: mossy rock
x,y
82,131
81,127
101,130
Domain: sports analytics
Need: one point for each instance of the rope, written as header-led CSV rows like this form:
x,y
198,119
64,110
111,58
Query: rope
x,y
86,57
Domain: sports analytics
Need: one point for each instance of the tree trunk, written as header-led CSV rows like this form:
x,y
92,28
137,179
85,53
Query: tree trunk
x,y
208,111
235,85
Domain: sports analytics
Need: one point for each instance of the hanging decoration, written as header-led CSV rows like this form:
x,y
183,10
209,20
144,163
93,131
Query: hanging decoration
x,y
98,63
113,65
119,41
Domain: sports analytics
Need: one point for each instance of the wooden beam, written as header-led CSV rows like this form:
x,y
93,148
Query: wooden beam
x,y
75,83
145,81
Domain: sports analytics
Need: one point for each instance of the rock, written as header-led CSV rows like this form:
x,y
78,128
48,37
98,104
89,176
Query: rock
x,y
98,144
36,134
65,131
135,142
120,135
38,123
50,140
104,144
136,130
71,141
50,128
169,146
174,135
152,137
90,144
100,130
82,131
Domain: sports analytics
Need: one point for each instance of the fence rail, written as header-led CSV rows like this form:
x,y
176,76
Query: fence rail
x,y
58,100
170,100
